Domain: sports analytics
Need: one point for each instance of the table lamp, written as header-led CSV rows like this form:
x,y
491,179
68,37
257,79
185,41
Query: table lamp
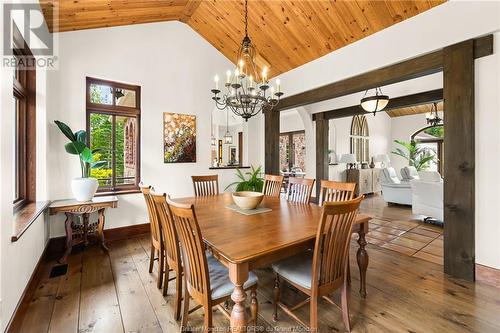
x,y
349,159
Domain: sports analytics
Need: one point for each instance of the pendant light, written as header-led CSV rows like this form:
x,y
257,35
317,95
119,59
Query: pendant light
x,y
432,117
213,140
374,103
228,138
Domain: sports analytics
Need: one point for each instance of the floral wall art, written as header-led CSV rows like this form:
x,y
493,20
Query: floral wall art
x,y
179,138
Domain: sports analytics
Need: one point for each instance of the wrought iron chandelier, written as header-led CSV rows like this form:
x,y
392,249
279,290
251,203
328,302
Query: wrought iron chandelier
x,y
374,103
246,92
432,117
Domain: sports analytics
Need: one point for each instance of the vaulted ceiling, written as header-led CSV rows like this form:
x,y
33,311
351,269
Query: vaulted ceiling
x,y
287,33
423,108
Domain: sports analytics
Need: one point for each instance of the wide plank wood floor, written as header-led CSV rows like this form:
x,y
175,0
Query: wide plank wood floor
x,y
115,293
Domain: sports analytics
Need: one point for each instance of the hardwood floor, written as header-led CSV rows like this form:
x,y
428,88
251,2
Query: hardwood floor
x,y
115,293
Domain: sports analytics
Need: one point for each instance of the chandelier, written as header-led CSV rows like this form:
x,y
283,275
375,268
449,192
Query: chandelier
x,y
433,116
245,92
374,103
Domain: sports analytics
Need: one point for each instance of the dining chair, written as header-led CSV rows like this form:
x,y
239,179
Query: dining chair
x,y
299,189
336,191
171,246
272,185
320,272
156,241
206,279
205,185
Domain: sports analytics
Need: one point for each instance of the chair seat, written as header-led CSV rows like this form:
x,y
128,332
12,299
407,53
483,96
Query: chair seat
x,y
220,284
296,269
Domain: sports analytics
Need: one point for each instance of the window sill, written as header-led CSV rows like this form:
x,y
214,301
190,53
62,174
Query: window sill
x,y
25,216
121,192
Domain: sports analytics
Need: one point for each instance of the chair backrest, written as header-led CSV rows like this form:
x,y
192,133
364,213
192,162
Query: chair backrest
x,y
272,185
205,185
193,250
169,235
409,173
332,242
389,176
153,218
299,189
430,176
336,191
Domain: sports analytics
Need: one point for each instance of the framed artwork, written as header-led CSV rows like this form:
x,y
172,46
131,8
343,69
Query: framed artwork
x,y
232,155
179,138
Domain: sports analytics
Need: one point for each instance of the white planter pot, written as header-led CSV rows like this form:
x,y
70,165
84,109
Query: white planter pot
x,y
84,188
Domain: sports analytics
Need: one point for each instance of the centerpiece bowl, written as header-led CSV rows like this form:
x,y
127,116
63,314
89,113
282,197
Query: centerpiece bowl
x,y
247,199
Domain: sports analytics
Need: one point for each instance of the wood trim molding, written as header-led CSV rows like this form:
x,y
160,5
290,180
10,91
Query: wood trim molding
x,y
425,97
406,70
24,217
488,275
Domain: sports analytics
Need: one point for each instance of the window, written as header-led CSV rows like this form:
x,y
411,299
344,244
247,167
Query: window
x,y
360,139
292,151
24,110
432,137
113,124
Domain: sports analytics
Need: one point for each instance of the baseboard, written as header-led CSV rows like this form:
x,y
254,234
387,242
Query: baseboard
x,y
488,275
17,318
54,250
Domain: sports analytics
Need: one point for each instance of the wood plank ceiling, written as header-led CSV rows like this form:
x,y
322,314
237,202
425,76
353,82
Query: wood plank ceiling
x,y
423,108
287,33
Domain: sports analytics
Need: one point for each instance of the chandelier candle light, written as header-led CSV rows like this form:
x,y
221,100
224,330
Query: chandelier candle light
x,y
245,91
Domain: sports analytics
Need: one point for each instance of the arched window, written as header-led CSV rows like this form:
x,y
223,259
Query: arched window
x,y
360,139
433,138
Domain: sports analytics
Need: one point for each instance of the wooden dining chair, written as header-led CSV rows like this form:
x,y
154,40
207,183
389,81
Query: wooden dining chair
x,y
272,185
206,279
299,189
157,252
171,246
205,185
336,191
320,272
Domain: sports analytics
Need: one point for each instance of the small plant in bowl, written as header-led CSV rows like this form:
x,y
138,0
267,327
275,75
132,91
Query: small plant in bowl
x,y
84,187
254,183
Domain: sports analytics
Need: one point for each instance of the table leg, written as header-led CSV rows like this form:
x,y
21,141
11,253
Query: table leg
x,y
69,238
85,221
362,258
102,220
238,275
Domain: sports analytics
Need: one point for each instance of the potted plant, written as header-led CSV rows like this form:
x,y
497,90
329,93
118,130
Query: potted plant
x,y
419,157
254,183
83,187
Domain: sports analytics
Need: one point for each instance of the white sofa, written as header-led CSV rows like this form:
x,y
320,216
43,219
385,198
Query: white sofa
x,y
393,189
427,195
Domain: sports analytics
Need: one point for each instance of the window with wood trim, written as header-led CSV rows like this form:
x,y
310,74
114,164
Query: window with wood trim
x,y
24,109
113,124
360,139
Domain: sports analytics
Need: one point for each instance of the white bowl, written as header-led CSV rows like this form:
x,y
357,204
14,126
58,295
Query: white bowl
x,y
247,199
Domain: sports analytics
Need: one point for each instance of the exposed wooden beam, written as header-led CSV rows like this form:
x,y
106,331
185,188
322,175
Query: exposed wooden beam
x,y
271,139
406,70
426,97
322,131
459,169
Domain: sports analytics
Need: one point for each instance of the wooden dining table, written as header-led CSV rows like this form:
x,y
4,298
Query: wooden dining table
x,y
246,242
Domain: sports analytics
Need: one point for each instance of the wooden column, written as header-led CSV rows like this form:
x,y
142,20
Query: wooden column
x,y
321,150
459,195
272,141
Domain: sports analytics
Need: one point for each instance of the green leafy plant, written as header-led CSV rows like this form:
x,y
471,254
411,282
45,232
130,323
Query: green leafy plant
x,y
78,146
253,183
419,157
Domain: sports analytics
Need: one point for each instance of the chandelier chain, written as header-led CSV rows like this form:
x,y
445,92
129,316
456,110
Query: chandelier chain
x,y
246,17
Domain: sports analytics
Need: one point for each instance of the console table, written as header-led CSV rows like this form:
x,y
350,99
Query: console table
x,y
79,233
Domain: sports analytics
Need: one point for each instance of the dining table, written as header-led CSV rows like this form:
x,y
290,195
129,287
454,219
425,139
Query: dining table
x,y
245,241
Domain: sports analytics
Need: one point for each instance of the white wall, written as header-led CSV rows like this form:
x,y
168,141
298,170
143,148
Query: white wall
x,y
449,23
174,67
18,259
290,121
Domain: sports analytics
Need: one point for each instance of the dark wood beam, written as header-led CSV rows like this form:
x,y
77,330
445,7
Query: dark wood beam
x,y
322,130
406,70
459,166
271,145
426,97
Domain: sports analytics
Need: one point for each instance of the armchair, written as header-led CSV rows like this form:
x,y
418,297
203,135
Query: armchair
x,y
427,195
409,173
393,189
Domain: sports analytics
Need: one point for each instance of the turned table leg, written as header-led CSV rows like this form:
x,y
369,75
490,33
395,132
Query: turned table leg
x,y
362,258
69,238
100,230
238,274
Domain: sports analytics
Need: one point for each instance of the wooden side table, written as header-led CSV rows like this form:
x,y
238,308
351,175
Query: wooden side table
x,y
78,233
